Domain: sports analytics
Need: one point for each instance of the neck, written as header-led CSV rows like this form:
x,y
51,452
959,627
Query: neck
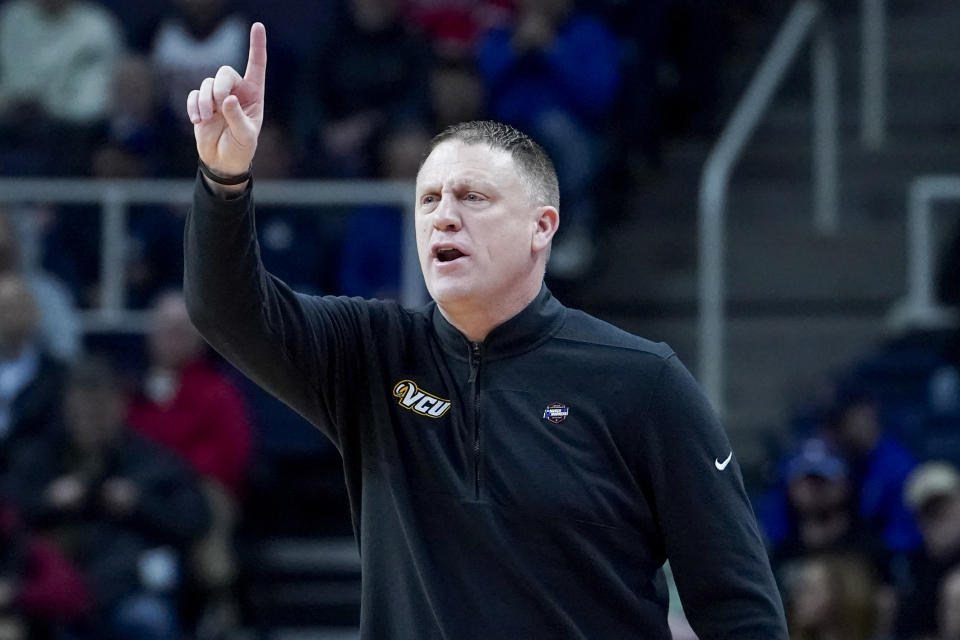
x,y
476,319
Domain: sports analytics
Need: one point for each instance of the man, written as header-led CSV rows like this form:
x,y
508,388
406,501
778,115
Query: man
x,y
515,468
194,411
109,499
932,492
59,325
948,607
189,407
879,466
31,381
56,61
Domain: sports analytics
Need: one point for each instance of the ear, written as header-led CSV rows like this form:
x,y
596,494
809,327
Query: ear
x,y
548,220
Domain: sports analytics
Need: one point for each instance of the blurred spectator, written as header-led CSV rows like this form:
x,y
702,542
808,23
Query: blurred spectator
x,y
135,147
119,507
933,493
56,61
186,405
821,511
454,26
369,77
134,135
30,380
39,587
834,598
878,468
59,330
456,94
191,44
191,409
299,245
948,610
554,73
371,257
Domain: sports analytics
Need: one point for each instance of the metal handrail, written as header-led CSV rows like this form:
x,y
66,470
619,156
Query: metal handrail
x,y
873,73
115,197
806,20
920,308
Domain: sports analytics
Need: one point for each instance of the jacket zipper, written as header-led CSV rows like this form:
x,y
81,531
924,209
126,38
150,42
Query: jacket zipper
x,y
474,373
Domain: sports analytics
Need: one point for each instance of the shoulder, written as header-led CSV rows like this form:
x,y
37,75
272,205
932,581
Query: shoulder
x,y
371,320
583,329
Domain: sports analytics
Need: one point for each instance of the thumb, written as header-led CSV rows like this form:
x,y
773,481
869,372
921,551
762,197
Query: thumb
x,y
240,125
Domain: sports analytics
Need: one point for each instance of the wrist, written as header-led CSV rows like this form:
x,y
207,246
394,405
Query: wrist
x,y
222,179
226,192
224,186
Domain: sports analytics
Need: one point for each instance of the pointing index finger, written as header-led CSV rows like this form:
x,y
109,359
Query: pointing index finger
x,y
257,59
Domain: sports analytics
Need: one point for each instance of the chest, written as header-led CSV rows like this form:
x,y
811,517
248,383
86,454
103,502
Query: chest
x,y
542,434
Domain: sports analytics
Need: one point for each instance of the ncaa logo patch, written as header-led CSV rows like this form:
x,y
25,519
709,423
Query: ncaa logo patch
x,y
556,412
410,396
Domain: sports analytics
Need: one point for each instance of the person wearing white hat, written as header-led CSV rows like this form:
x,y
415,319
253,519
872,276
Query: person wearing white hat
x,y
932,492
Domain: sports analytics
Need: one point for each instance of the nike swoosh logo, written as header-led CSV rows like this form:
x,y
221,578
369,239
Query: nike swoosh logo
x,y
723,465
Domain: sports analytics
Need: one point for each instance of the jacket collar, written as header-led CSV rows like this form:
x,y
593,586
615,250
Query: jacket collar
x,y
535,324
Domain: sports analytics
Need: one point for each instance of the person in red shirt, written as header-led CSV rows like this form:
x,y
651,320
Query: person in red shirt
x,y
188,406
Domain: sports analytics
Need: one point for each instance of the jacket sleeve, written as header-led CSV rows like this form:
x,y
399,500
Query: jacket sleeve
x,y
305,350
708,527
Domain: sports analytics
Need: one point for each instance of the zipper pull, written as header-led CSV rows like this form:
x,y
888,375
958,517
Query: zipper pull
x,y
474,361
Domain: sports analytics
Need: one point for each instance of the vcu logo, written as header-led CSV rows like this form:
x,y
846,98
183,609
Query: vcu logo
x,y
410,396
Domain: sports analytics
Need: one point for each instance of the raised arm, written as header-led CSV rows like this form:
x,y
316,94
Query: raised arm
x,y
299,348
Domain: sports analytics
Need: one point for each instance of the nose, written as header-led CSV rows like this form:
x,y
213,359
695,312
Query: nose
x,y
446,217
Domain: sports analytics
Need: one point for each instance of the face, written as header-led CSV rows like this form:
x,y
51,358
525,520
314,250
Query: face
x,y
174,342
94,416
949,606
201,13
860,427
17,313
810,492
8,244
940,524
374,15
479,236
812,598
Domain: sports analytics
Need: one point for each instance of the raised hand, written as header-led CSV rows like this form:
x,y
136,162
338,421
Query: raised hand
x,y
227,111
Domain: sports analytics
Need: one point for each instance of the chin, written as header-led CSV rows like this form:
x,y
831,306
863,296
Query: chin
x,y
446,292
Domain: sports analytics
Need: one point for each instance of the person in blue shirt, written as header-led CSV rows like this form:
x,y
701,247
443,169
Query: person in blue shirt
x,y
555,72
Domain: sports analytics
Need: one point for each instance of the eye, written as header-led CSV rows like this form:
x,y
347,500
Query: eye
x,y
428,199
474,197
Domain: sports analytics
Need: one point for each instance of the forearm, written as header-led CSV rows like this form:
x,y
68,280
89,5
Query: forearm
x,y
225,191
255,321
221,261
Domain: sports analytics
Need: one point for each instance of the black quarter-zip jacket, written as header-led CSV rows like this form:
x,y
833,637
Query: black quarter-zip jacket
x,y
529,486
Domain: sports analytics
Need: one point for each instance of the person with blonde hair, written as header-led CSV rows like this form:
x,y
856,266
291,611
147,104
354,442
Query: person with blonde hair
x,y
835,598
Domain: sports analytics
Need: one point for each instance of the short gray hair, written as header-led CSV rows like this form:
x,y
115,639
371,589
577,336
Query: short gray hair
x,y
536,168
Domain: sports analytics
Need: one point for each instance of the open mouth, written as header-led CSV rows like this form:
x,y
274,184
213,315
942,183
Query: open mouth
x,y
448,254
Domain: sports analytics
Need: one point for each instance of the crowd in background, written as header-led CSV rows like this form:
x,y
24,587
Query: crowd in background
x,y
355,89
126,476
